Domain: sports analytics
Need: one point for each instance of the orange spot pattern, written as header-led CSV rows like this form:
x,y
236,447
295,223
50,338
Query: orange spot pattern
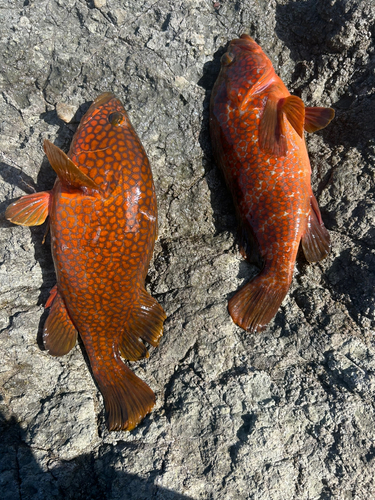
x,y
102,244
271,193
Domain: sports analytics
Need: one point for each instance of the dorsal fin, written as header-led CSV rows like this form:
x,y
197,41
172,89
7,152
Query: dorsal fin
x,y
317,118
68,173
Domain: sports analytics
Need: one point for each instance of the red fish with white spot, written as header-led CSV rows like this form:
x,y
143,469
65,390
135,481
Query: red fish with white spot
x,y
257,132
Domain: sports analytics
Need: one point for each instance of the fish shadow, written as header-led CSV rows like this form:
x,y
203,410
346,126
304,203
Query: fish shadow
x,y
221,200
14,175
312,30
23,477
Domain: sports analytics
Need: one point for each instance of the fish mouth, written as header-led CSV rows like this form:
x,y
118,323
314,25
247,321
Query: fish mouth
x,y
246,42
100,101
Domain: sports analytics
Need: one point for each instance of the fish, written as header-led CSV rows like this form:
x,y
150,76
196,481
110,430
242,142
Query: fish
x,y
257,135
103,222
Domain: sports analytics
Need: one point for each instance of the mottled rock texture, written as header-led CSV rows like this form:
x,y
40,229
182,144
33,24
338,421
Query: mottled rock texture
x,y
285,414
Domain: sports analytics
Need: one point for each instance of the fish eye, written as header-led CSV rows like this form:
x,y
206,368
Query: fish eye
x,y
227,59
116,118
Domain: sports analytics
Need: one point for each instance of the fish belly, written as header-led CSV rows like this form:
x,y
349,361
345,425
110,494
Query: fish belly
x,y
101,265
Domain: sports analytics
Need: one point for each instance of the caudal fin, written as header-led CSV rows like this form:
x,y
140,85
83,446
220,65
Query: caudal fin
x,y
127,399
253,307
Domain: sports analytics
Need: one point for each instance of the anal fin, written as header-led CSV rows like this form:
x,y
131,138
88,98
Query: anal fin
x,y
316,242
146,323
59,332
30,210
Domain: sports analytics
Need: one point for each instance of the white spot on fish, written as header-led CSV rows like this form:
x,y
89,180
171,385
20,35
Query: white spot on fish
x,y
149,216
96,237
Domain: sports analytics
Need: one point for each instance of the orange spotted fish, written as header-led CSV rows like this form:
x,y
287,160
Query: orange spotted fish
x,y
103,222
258,141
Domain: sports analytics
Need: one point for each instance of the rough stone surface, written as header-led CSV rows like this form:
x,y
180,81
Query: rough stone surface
x,y
286,414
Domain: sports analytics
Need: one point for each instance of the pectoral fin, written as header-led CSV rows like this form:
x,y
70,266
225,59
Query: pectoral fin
x,y
59,332
294,110
272,134
316,242
68,173
30,210
272,138
317,118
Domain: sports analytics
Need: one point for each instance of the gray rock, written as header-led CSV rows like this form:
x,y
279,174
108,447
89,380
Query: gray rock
x,y
285,414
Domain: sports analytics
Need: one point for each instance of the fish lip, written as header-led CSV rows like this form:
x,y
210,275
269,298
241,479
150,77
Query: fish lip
x,y
246,42
101,100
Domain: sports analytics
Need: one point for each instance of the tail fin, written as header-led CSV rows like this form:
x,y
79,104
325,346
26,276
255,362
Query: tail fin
x,y
253,307
127,399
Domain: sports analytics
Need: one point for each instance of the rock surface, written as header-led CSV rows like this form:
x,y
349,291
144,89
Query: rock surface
x,y
285,414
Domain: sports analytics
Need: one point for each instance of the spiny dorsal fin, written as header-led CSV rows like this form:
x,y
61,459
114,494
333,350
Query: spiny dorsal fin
x,y
68,173
30,210
317,118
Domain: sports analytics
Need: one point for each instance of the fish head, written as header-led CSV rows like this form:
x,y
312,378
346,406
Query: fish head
x,y
245,69
100,146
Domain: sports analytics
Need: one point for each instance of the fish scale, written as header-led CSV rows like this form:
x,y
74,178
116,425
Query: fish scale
x,y
103,222
257,136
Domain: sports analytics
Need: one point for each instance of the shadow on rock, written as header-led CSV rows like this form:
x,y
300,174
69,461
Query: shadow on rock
x,y
221,199
311,28
353,274
314,29
45,181
86,477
